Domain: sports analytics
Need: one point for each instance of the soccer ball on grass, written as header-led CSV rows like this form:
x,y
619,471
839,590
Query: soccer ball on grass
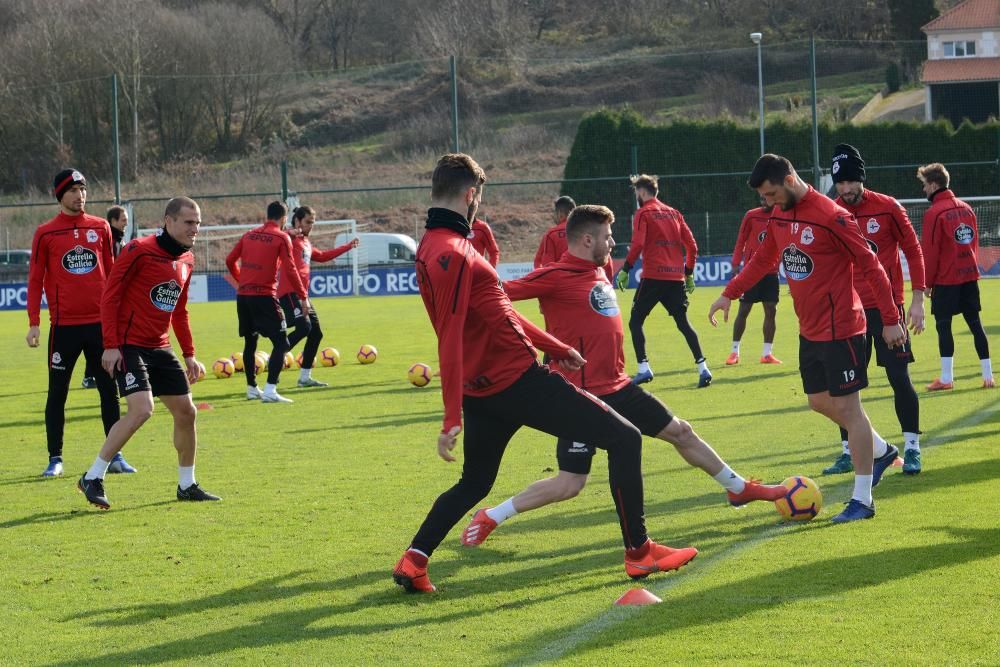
x,y
367,354
419,375
223,368
329,356
802,501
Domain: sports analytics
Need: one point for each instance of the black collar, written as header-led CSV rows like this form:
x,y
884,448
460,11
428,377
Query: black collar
x,y
934,194
170,244
445,217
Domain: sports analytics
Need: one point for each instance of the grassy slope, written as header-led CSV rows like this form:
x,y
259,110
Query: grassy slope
x,y
321,496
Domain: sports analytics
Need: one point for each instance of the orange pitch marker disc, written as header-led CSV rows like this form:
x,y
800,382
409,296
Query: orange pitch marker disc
x,y
637,597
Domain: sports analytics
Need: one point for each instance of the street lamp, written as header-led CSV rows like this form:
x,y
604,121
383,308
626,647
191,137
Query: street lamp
x,y
756,37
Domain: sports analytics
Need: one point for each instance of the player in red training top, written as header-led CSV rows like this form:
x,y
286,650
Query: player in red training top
x,y
71,256
821,247
482,239
886,228
306,320
146,296
668,250
489,372
950,240
753,229
253,263
582,308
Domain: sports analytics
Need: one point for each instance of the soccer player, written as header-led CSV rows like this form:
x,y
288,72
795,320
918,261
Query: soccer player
x,y
489,372
305,319
146,295
117,218
753,229
668,250
950,239
253,263
821,247
582,307
482,239
886,228
553,243
71,256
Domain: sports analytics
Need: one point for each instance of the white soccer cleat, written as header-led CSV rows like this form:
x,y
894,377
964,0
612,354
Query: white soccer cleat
x,y
254,393
274,398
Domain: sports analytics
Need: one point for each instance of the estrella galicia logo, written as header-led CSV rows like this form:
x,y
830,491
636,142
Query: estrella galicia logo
x,y
762,236
872,245
603,300
165,295
964,234
798,265
80,260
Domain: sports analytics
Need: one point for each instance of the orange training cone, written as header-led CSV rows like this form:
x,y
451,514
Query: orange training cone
x,y
637,597
204,406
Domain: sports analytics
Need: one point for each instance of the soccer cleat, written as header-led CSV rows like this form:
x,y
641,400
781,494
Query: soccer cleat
x,y
704,379
93,489
652,557
855,511
733,359
254,393
195,493
989,383
55,467
478,529
937,385
770,359
911,462
274,398
412,577
883,463
754,490
840,466
120,465
312,382
642,377
89,382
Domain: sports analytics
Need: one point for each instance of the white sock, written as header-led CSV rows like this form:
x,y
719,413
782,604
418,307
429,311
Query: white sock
x,y
736,346
502,512
305,374
270,389
702,366
911,441
185,476
947,369
644,367
846,446
98,470
863,489
879,446
730,480
987,369
767,349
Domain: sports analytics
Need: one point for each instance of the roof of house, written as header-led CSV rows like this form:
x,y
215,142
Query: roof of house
x,y
969,15
954,70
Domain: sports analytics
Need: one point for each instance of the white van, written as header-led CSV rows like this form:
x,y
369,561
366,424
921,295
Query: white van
x,y
379,248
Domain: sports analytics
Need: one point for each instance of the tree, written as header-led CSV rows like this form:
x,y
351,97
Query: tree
x,y
909,16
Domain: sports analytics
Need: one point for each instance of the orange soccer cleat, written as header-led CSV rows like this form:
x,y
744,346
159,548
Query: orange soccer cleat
x,y
478,529
989,383
733,359
412,576
652,557
937,385
754,490
770,359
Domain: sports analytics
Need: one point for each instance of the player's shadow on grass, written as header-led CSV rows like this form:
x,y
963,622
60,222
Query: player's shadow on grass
x,y
70,515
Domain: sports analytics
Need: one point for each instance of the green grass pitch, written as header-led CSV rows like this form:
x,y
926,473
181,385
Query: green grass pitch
x,y
321,497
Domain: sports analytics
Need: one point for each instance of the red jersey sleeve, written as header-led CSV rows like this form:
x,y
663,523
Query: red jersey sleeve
x,y
491,246
638,238
908,241
542,340
285,255
930,248
690,246
333,253
867,263
741,241
181,323
532,286
546,250
114,290
36,276
762,263
232,258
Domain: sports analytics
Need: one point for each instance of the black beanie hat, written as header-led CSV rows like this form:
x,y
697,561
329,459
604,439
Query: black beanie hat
x,y
847,164
66,179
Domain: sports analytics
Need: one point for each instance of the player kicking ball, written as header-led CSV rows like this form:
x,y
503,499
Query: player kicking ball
x,y
146,295
581,306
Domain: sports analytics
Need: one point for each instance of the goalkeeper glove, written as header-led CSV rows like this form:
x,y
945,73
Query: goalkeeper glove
x,y
689,284
621,280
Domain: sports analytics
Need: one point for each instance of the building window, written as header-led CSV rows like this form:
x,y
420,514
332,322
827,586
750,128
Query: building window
x,y
959,49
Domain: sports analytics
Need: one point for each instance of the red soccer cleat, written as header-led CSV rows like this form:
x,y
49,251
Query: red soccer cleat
x,y
937,385
411,575
770,359
754,490
733,359
989,383
478,529
652,557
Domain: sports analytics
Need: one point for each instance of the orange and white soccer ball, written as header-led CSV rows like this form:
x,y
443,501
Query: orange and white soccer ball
x,y
329,356
420,375
237,359
367,354
289,359
260,361
223,368
298,360
802,501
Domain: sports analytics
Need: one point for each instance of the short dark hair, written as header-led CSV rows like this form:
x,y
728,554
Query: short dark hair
x,y
114,213
277,210
584,218
454,173
300,213
771,168
935,172
647,182
175,205
563,205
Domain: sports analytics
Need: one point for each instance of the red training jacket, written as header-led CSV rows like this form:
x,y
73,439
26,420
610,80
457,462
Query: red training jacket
x,y
303,254
71,257
581,309
950,240
482,239
258,252
553,245
147,293
661,236
484,345
753,229
821,247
